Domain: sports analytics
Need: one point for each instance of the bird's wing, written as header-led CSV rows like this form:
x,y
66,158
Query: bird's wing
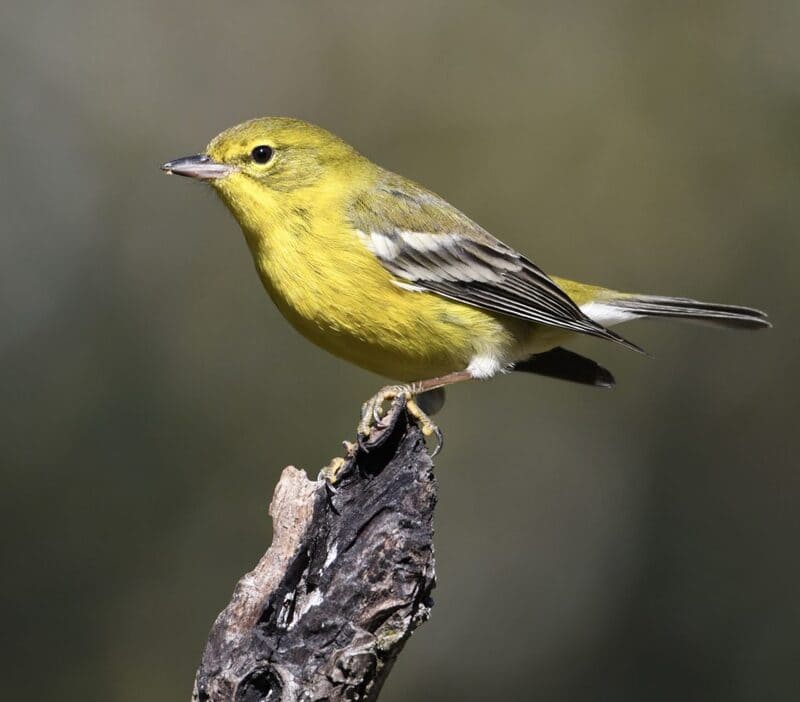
x,y
427,244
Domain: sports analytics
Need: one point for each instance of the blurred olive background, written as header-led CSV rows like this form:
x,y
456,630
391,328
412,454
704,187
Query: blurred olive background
x,y
638,544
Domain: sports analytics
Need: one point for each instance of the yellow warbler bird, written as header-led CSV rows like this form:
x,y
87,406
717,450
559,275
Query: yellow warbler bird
x,y
384,273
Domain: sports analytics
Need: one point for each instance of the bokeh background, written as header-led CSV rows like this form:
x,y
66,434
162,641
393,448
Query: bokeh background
x,y
634,544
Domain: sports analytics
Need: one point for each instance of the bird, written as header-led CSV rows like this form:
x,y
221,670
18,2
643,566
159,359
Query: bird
x,y
386,274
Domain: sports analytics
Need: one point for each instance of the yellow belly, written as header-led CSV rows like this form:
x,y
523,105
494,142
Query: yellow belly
x,y
339,297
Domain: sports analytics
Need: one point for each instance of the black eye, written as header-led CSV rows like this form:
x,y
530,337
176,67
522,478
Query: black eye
x,y
262,154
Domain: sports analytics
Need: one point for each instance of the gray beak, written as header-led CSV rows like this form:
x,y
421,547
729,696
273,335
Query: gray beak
x,y
199,166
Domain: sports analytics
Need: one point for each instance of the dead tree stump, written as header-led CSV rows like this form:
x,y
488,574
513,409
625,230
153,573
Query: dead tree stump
x,y
347,579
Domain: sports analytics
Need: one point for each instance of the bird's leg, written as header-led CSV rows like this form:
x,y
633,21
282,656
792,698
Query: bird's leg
x,y
372,409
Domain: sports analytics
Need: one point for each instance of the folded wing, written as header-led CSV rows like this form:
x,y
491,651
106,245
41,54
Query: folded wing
x,y
429,245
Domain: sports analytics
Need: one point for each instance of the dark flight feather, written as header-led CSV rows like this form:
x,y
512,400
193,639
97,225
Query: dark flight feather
x,y
567,365
686,308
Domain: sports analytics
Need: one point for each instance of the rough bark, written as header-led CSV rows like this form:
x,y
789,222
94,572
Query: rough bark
x,y
347,579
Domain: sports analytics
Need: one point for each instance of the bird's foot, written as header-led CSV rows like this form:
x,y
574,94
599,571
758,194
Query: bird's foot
x,y
330,473
338,465
372,412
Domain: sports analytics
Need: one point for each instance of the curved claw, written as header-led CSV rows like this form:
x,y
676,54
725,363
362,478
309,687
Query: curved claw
x,y
439,442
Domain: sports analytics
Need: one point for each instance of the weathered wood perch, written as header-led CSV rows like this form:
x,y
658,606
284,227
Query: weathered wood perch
x,y
347,579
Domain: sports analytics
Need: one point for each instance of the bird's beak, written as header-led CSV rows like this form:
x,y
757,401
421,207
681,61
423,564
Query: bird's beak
x,y
200,166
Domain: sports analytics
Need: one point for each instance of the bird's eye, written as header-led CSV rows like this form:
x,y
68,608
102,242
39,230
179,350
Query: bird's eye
x,y
262,154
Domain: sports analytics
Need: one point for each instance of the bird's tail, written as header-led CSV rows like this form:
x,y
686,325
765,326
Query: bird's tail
x,y
621,307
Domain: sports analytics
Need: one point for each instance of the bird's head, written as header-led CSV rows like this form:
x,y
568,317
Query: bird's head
x,y
265,163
